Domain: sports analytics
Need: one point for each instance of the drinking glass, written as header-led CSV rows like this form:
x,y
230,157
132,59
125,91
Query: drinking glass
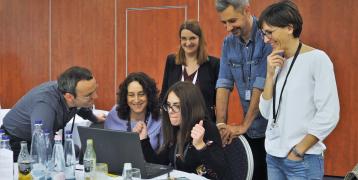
x,y
135,174
101,171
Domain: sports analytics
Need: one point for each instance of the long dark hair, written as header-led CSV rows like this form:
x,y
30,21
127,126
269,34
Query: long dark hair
x,y
192,109
149,88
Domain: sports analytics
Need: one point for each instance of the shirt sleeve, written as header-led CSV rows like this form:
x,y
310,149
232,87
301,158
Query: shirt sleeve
x,y
86,113
325,99
225,79
265,107
213,155
42,111
259,81
165,80
151,156
112,116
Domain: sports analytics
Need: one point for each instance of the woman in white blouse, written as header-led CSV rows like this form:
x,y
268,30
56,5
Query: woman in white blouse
x,y
299,100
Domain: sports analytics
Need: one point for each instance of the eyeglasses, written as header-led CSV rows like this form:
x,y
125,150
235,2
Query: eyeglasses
x,y
268,34
174,108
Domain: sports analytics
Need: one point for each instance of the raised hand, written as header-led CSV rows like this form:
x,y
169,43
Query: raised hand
x,y
141,129
197,133
274,60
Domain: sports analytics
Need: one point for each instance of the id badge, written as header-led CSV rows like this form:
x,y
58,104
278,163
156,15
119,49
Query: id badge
x,y
273,132
247,95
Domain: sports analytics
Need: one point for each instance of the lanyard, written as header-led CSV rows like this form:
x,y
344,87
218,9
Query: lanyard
x,y
275,113
129,127
63,129
182,75
175,154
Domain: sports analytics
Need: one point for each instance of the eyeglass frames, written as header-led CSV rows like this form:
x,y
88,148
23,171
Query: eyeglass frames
x,y
174,108
268,34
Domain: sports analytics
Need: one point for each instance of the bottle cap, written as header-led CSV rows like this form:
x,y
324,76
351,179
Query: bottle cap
x,y
46,131
5,137
39,121
127,166
89,141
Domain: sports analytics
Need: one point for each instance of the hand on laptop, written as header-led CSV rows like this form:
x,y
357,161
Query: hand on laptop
x,y
197,133
141,129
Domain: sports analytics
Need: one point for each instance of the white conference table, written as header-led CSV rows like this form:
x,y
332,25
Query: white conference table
x,y
172,174
79,121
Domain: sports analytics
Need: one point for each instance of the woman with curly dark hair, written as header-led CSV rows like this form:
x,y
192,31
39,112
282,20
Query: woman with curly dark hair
x,y
137,101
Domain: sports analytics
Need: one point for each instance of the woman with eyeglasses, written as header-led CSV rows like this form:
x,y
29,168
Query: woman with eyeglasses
x,y
192,63
192,143
137,101
299,100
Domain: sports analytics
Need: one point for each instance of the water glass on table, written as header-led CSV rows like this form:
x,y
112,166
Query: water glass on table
x,y
101,171
135,172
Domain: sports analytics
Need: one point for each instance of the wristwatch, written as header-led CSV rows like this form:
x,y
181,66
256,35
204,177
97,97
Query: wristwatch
x,y
296,153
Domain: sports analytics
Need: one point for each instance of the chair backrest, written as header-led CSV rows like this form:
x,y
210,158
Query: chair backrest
x,y
352,175
240,158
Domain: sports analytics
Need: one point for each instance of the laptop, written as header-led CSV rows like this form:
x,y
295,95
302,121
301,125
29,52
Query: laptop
x,y
118,147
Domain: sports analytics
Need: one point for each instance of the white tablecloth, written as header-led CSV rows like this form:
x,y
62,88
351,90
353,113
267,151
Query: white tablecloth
x,y
2,114
173,174
79,121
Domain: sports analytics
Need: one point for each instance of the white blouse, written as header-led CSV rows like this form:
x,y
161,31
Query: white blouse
x,y
309,104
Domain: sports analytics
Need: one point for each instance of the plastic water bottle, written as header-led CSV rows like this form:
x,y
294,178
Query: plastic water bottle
x,y
38,155
58,160
70,157
2,132
6,162
5,142
89,161
48,154
24,162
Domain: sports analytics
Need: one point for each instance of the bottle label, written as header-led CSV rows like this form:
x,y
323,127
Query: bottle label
x,y
88,165
24,168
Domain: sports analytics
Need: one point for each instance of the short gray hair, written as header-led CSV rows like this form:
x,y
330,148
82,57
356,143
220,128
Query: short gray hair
x,y
221,5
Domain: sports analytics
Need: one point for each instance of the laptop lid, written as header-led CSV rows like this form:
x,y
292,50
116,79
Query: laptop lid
x,y
116,148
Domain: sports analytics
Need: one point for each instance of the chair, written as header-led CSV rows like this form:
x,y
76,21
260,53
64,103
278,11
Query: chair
x,y
240,158
352,175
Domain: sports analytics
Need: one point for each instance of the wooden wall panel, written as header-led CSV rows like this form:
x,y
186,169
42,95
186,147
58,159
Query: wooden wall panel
x,y
23,47
41,38
150,57
83,34
331,26
328,25
152,29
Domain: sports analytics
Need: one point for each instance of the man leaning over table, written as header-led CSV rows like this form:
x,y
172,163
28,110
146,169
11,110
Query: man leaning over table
x,y
243,63
53,102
